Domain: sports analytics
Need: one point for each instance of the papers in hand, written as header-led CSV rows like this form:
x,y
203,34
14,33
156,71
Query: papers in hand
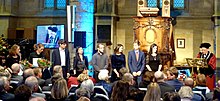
x,y
34,60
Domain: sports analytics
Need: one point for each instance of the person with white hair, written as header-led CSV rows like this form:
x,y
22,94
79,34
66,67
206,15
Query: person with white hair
x,y
164,87
88,84
103,81
32,82
15,71
4,86
186,93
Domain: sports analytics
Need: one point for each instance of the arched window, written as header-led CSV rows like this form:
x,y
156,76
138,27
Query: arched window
x,y
175,4
55,4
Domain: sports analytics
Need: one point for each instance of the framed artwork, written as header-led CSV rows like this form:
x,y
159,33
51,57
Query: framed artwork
x,y
180,43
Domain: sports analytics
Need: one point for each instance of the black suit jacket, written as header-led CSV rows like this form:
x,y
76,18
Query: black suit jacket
x,y
56,60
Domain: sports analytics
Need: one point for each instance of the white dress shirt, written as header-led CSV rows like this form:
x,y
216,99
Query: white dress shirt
x,y
62,57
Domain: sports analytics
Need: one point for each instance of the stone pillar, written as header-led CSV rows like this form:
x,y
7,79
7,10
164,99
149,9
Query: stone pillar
x,y
217,36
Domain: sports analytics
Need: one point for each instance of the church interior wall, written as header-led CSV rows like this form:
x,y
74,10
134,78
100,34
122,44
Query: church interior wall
x,y
194,25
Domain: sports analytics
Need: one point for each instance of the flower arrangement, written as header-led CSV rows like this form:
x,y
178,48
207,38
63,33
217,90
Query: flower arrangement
x,y
44,63
26,64
3,46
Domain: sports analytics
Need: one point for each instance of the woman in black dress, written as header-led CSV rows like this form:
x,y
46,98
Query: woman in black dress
x,y
118,62
80,63
14,56
153,61
38,53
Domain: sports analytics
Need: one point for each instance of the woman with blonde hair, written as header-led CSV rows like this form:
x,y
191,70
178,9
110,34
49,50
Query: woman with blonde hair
x,y
153,92
14,56
185,93
38,53
59,91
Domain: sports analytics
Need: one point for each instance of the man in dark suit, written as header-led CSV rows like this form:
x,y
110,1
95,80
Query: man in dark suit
x,y
172,78
61,57
136,62
164,87
4,86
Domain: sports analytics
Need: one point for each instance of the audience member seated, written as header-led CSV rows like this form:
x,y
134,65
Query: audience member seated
x,y
83,99
27,72
22,93
164,87
172,78
216,94
136,95
122,71
51,81
88,84
128,77
153,92
186,93
56,70
82,92
103,81
59,91
15,70
33,84
201,85
38,75
4,87
37,99
171,96
148,77
120,91
77,81
190,83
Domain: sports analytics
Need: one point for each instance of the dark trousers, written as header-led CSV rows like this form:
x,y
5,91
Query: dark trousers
x,y
65,69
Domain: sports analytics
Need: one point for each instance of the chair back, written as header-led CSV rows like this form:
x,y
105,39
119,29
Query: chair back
x,y
100,90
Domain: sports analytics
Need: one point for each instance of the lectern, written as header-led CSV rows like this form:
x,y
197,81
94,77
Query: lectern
x,y
196,62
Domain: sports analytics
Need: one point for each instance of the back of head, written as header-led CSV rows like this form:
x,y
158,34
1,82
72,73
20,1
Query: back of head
x,y
127,77
201,80
27,73
59,89
57,69
32,82
186,92
82,92
189,82
88,84
122,71
83,99
173,71
103,75
148,76
55,77
159,76
15,68
82,77
120,91
22,93
153,92
37,99
174,96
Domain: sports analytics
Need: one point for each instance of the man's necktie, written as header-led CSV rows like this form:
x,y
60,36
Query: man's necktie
x,y
137,56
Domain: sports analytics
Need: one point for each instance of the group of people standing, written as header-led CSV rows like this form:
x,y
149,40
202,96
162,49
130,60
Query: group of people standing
x,y
137,61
